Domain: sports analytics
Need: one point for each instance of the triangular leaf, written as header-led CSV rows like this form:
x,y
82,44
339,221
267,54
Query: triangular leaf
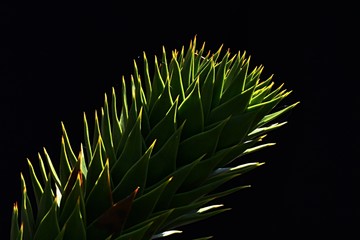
x,y
49,226
37,188
74,226
163,162
131,153
135,177
144,205
99,198
191,112
204,143
27,216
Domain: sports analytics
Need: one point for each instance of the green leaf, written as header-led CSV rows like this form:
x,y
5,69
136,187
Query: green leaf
x,y
96,165
45,203
188,197
128,123
218,195
264,109
43,171
234,152
138,94
27,216
156,221
15,230
157,85
135,177
220,70
197,57
191,112
87,141
136,234
195,217
253,78
124,113
97,132
144,205
69,152
60,236
183,210
21,233
231,172
74,198
75,175
37,188
276,114
264,130
49,226
202,170
164,66
234,81
204,143
130,154
116,130
236,129
99,198
257,148
207,89
64,165
53,171
187,71
82,164
163,162
74,226
147,79
233,107
177,88
161,105
166,127
261,91
106,133
178,178
275,93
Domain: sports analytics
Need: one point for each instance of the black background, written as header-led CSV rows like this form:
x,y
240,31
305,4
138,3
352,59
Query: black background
x,y
58,60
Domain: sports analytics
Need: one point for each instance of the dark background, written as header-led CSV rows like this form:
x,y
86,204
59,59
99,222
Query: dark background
x,y
58,60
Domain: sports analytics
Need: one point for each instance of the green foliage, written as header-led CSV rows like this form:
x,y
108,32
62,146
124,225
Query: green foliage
x,y
156,158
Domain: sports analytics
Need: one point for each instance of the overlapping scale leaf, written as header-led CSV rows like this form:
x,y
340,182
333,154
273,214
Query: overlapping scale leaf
x,y
191,113
164,129
37,187
99,198
74,227
204,143
15,231
135,177
48,228
26,212
75,199
144,205
45,203
106,133
131,152
163,162
177,88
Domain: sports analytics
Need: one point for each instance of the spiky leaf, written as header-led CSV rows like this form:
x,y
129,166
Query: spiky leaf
x,y
158,154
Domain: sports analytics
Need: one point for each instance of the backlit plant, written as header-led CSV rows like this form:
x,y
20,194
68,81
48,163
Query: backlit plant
x,y
157,153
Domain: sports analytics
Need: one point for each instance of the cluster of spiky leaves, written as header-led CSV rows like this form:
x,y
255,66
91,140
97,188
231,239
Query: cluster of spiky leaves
x,y
154,162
